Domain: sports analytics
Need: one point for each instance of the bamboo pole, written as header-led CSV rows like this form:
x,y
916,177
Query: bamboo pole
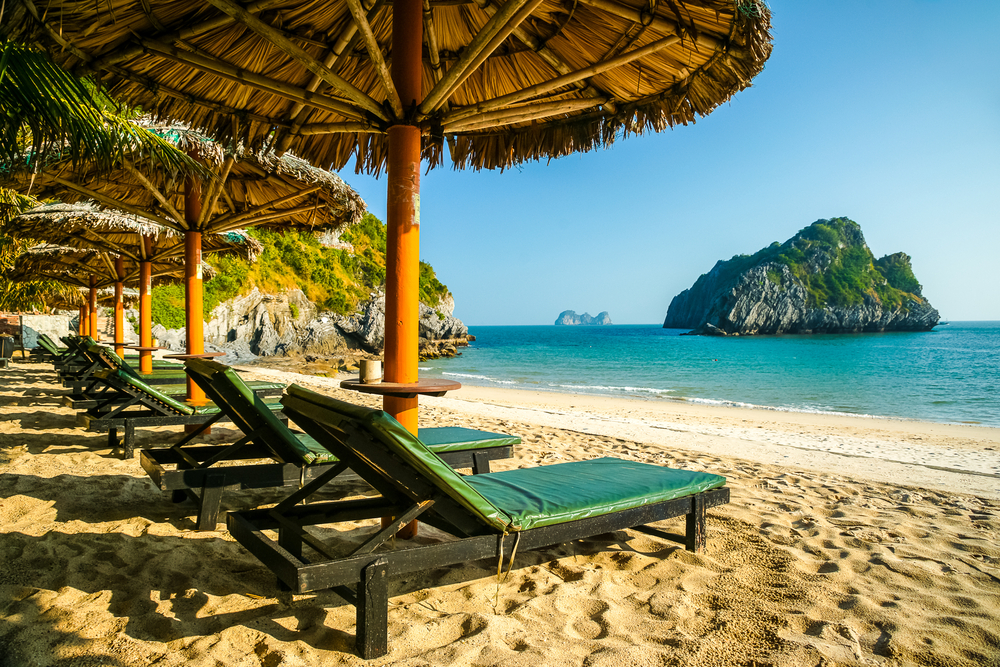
x,y
561,81
153,190
657,23
498,25
375,53
248,78
111,201
284,213
338,128
119,307
297,53
229,219
522,114
545,53
129,52
216,190
83,321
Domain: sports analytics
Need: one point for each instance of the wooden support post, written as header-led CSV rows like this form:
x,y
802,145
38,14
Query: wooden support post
x,y
146,308
403,218
82,323
695,537
92,303
119,306
372,639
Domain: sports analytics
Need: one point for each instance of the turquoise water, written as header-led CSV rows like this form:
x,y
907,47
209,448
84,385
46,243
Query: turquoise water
x,y
946,375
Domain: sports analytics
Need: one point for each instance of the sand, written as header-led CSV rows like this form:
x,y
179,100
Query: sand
x,y
848,541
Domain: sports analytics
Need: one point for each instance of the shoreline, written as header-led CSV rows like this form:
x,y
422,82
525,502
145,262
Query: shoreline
x,y
958,458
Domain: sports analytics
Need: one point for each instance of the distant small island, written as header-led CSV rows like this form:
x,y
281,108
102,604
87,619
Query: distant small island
x,y
822,280
570,318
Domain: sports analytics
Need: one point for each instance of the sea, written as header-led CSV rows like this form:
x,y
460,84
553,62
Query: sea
x,y
950,374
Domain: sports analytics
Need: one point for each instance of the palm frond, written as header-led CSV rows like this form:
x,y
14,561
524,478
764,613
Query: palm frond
x,y
48,113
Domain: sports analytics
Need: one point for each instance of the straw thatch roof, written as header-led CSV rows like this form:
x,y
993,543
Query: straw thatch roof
x,y
75,298
85,225
253,189
75,266
503,82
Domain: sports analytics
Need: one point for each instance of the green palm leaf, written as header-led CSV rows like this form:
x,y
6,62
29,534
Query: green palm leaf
x,y
47,113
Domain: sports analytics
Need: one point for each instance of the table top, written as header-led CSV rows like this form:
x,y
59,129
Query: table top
x,y
144,349
203,355
425,387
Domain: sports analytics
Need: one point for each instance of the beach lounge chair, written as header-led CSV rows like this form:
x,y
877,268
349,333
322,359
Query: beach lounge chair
x,y
191,471
96,392
146,406
490,515
96,357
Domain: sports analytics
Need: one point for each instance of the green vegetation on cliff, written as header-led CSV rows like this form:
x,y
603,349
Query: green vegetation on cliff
x,y
832,261
335,279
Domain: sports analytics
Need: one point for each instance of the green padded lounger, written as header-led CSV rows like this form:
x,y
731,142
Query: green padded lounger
x,y
96,393
489,515
146,406
192,471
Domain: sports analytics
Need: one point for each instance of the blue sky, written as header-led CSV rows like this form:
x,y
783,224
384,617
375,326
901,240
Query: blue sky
x,y
884,112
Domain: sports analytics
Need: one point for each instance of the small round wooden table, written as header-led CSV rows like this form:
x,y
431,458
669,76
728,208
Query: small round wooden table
x,y
140,348
203,355
422,387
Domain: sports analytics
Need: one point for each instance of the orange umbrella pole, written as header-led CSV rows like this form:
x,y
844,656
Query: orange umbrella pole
x,y
193,303
93,308
145,315
81,326
119,307
403,215
402,255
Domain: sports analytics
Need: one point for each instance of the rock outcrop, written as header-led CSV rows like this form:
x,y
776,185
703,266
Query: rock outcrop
x,y
264,325
823,280
570,318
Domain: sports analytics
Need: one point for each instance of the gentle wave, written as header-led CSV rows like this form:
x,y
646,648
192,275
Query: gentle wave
x,y
597,387
754,406
480,377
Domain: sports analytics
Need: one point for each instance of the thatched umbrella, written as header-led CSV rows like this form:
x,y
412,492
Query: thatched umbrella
x,y
502,82
126,237
90,269
252,189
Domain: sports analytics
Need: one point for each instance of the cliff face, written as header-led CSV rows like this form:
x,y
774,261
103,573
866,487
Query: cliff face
x,y
264,325
822,280
569,317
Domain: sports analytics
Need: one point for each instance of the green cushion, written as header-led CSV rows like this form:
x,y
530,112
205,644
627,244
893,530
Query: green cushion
x,y
320,453
457,439
547,495
405,445
288,447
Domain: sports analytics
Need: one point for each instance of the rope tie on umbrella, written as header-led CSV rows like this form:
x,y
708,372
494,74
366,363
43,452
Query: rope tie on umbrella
x,y
647,14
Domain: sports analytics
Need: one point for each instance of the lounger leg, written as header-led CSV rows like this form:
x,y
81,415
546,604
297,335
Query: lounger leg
x,y
373,611
211,502
113,439
128,446
480,463
695,539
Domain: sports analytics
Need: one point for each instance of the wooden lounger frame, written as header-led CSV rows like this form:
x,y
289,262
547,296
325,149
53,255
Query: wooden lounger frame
x,y
361,576
188,472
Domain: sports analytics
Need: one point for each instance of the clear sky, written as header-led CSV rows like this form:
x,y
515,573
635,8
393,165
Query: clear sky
x,y
886,112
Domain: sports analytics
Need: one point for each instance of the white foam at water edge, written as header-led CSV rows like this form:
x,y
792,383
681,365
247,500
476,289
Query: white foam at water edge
x,y
597,387
754,406
480,377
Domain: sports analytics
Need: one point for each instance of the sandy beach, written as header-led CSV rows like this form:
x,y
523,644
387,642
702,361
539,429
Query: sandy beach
x,y
848,541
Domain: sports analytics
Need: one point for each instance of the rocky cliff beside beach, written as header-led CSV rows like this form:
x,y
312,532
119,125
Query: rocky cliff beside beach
x,y
823,280
289,324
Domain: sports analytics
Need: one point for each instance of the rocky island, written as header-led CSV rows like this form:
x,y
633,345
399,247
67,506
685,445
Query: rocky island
x,y
570,318
822,280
